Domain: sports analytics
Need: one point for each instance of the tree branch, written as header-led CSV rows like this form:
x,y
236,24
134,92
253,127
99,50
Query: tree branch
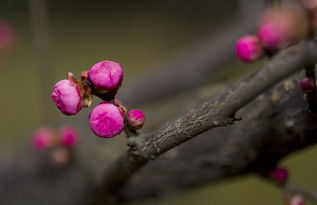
x,y
211,114
251,145
254,145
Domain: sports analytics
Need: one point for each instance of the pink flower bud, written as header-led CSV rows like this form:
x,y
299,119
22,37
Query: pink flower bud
x,y
60,157
272,36
307,85
7,36
43,138
106,76
279,175
135,119
68,136
106,120
66,96
296,200
276,29
248,48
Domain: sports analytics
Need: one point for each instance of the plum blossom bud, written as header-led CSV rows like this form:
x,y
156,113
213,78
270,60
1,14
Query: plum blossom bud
x,y
248,48
66,96
68,136
106,76
60,156
275,30
307,85
7,36
43,138
106,120
279,175
280,27
135,119
296,200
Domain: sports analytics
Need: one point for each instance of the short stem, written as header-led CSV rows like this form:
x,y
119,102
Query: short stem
x,y
270,53
129,133
312,96
310,195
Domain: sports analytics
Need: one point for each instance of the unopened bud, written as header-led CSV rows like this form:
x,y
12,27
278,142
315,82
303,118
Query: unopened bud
x,y
68,137
66,96
106,120
43,138
106,76
135,119
279,175
307,85
249,48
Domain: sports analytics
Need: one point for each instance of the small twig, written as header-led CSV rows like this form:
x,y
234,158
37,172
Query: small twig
x,y
310,195
294,190
129,133
312,96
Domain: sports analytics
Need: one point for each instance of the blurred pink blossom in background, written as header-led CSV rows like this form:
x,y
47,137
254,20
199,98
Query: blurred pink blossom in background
x,y
7,36
43,138
7,40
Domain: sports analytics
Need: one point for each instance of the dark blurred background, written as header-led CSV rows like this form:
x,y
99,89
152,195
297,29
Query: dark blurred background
x,y
137,33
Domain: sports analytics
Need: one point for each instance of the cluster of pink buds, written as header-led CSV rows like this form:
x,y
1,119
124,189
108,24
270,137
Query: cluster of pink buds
x,y
103,80
58,145
279,27
279,175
